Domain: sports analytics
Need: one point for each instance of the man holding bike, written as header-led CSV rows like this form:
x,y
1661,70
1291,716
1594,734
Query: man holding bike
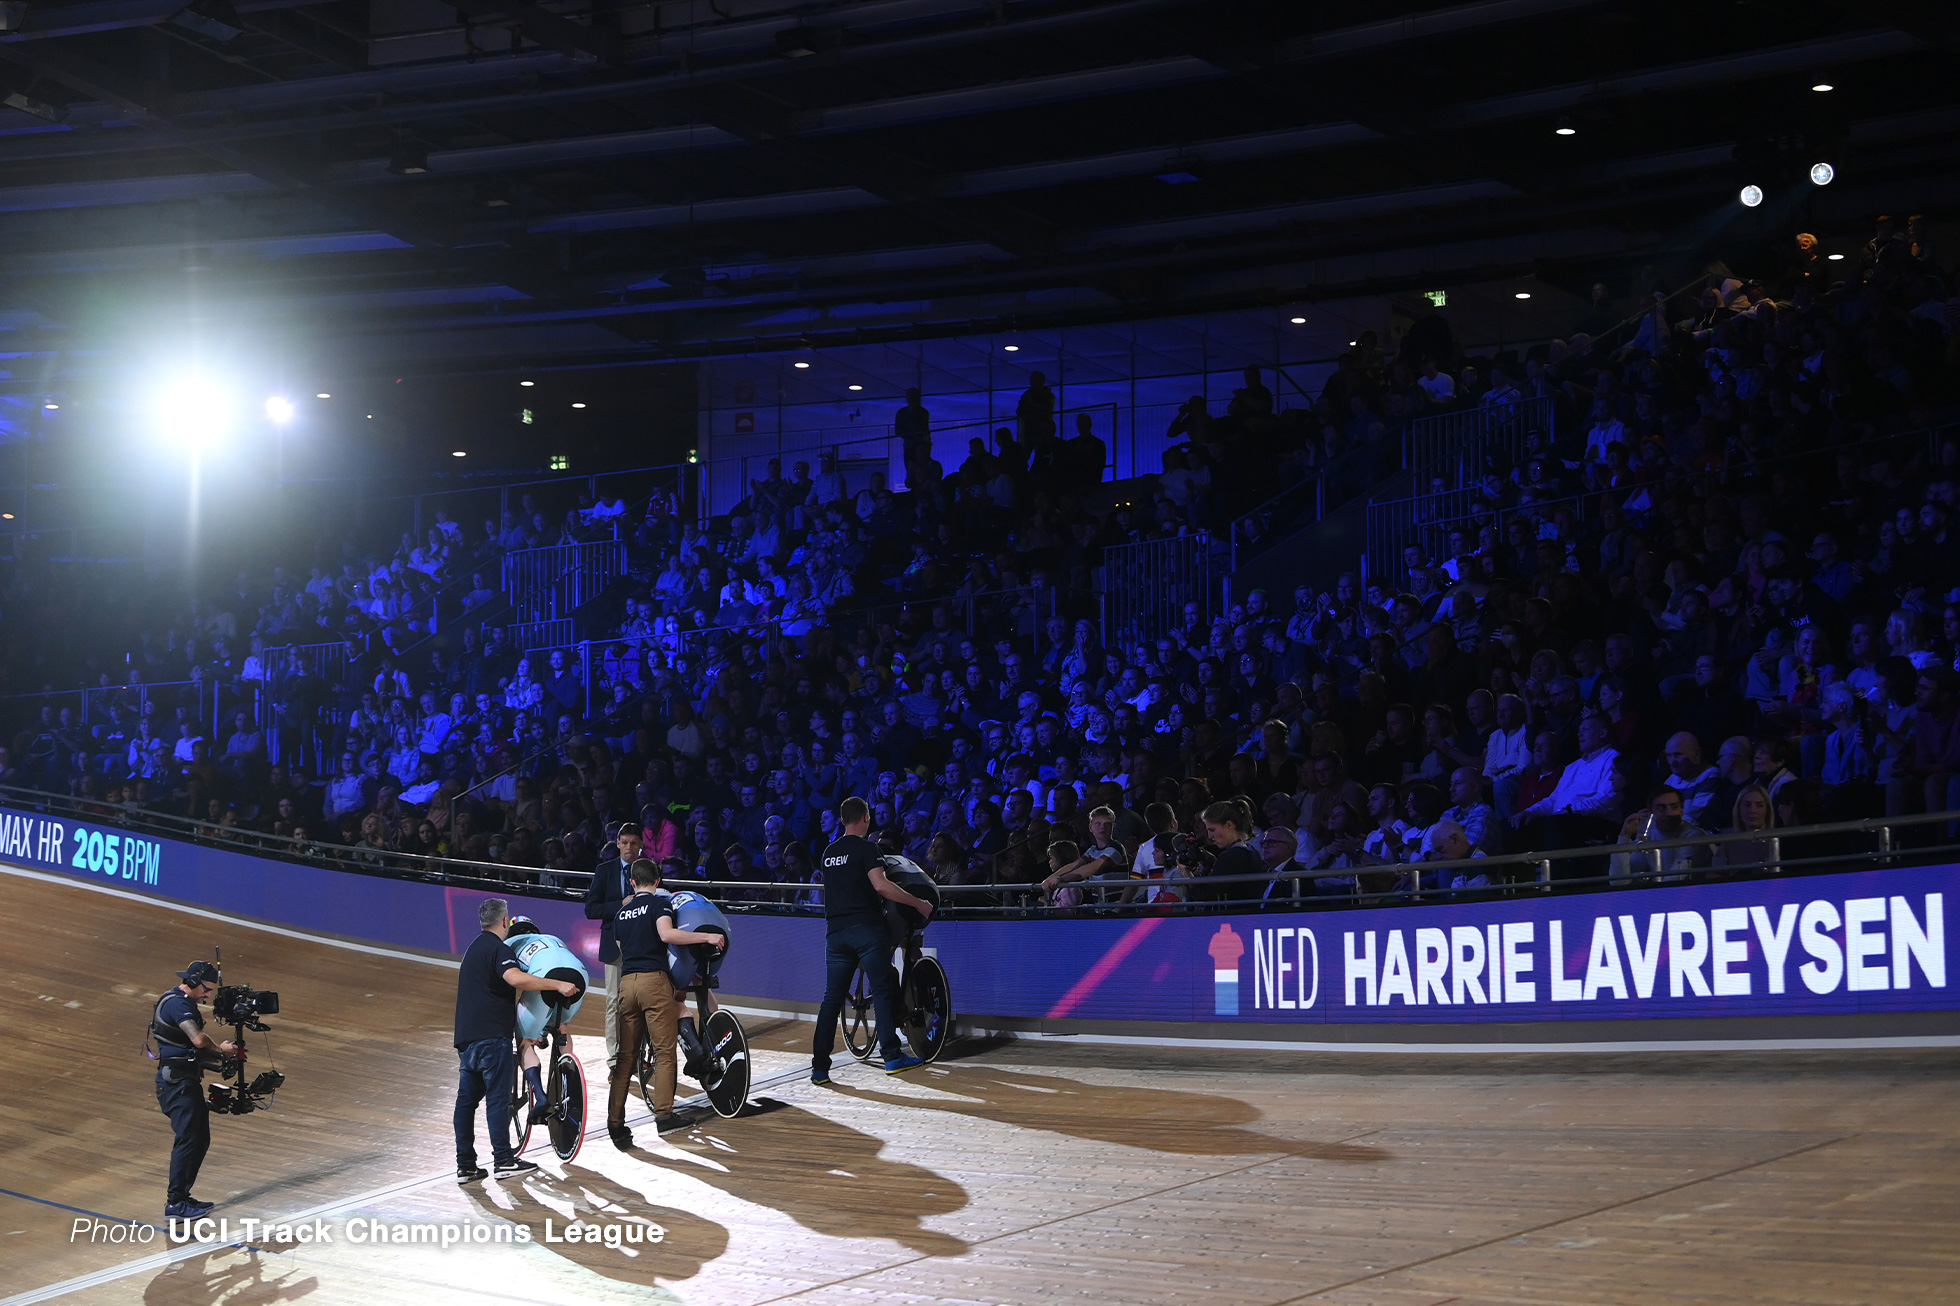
x,y
487,986
648,1007
853,882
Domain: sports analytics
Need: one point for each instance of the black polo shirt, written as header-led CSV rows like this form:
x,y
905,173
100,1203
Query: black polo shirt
x,y
848,898
486,1007
637,927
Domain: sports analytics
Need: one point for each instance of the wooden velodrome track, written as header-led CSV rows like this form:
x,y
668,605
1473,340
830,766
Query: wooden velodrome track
x,y
1014,1172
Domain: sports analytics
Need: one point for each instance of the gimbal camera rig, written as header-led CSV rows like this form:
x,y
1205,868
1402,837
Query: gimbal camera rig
x,y
240,1007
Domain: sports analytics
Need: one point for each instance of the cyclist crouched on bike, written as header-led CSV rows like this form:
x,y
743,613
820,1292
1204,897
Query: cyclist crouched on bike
x,y
648,1006
853,882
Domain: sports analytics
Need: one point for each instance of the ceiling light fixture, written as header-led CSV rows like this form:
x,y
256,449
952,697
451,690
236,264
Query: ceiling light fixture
x,y
279,409
1822,87
801,365
857,387
1522,294
1822,174
459,454
1297,321
578,405
1835,258
1565,128
1751,196
323,395
51,407
1012,349
527,383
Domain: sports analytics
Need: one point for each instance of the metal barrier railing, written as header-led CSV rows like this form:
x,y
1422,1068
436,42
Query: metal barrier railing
x,y
1791,850
1458,446
555,581
1145,586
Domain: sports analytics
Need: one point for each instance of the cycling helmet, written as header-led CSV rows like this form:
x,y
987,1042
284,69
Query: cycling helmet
x,y
522,925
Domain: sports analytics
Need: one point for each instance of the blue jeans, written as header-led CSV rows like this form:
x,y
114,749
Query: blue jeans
x,y
856,947
484,1076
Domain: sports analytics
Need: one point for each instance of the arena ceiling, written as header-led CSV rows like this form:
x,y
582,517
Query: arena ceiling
x,y
407,185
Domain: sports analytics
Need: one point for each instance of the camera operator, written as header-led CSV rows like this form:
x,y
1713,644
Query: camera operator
x,y
1228,828
178,1028
487,985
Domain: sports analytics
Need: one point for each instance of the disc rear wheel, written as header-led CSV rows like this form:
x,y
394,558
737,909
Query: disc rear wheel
x,y
727,1069
566,1121
928,1008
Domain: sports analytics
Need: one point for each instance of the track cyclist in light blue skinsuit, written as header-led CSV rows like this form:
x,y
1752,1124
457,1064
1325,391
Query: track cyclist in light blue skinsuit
x,y
538,1014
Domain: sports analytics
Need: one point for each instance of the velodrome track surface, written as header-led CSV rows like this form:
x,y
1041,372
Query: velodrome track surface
x,y
1014,1172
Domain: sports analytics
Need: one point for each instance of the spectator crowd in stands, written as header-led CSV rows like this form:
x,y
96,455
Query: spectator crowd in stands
x,y
1720,592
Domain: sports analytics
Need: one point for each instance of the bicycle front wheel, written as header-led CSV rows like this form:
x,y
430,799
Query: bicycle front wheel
x,y
859,1020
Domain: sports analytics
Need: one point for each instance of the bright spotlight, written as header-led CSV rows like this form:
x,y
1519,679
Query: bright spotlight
x,y
459,453
1835,258
279,410
1012,349
1751,196
194,412
527,383
857,387
1522,294
1822,87
323,395
801,365
52,407
1297,321
1822,174
578,405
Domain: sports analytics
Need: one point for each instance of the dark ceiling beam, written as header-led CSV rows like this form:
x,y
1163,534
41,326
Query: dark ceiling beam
x,y
50,21
297,33
553,31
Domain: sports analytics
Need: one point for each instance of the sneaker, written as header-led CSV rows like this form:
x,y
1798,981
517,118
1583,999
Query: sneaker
x,y
469,1174
622,1137
181,1211
515,1166
820,1074
900,1064
668,1123
197,1207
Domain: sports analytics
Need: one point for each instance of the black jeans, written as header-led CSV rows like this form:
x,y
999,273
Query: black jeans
x,y
855,947
484,1075
190,1120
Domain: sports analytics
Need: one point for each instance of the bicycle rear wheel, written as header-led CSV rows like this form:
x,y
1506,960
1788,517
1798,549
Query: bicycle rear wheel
x,y
928,1008
859,1020
566,1121
727,1070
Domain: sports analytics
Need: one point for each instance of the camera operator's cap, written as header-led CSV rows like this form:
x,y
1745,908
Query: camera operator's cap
x,y
199,972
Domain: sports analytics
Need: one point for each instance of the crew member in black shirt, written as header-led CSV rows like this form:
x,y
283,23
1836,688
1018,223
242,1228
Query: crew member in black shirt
x,y
178,1028
486,1033
853,881
609,887
648,1007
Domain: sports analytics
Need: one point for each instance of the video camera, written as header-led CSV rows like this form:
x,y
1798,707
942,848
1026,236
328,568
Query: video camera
x,y
240,1006
236,1004
1190,852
